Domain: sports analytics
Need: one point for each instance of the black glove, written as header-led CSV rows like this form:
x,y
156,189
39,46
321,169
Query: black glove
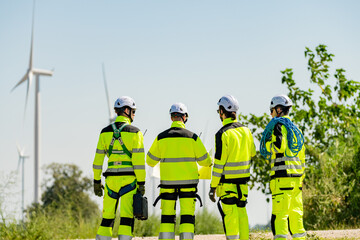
x,y
141,189
98,188
212,194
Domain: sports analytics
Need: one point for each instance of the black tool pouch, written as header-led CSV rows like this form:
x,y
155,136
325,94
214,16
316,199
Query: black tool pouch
x,y
140,205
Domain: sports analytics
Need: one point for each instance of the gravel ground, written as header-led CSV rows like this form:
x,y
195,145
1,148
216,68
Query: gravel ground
x,y
330,234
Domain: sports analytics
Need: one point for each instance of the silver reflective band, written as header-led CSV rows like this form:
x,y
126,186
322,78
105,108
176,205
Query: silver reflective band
x,y
237,164
118,152
166,235
233,237
218,166
178,160
280,236
124,237
236,171
139,167
216,174
153,157
186,235
202,158
99,237
179,182
284,167
97,166
138,150
283,159
297,235
114,170
100,151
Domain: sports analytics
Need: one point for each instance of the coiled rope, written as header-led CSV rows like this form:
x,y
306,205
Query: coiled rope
x,y
294,136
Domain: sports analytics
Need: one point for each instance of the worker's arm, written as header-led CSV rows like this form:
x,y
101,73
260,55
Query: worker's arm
x,y
277,143
138,158
99,159
221,155
202,156
153,155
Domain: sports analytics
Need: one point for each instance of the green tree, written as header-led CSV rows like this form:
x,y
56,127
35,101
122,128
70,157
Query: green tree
x,y
329,116
66,189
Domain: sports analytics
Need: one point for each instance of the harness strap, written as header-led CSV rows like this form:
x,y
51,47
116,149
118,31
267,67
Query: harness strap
x,y
176,194
222,214
190,195
117,136
166,196
119,163
122,191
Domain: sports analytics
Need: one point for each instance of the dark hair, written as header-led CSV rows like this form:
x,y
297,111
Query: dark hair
x,y
121,110
285,110
176,114
231,115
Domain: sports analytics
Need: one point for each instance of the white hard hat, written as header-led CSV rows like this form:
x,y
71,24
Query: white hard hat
x,y
229,103
178,108
125,101
281,100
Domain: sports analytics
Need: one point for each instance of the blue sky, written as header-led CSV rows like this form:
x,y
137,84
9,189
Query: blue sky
x,y
158,52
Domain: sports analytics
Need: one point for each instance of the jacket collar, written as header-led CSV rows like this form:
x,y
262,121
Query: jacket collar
x,y
228,120
178,124
123,119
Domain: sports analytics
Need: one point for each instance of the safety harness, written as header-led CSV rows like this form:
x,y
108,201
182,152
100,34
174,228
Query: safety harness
x,y
174,196
122,191
231,201
117,136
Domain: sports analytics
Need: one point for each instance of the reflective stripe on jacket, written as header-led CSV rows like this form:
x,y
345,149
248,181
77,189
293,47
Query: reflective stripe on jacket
x,y
284,165
133,140
178,151
234,148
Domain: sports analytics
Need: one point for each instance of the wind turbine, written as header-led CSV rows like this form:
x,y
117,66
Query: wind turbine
x,y
30,73
111,112
21,161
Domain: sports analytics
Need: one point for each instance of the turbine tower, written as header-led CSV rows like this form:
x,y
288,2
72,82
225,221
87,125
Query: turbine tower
x,y
30,73
21,161
111,112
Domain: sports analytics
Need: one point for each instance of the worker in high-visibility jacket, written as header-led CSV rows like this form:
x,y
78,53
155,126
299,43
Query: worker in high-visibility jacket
x,y
178,151
234,148
123,144
287,174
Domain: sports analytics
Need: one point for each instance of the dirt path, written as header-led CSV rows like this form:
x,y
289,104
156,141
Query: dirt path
x,y
330,234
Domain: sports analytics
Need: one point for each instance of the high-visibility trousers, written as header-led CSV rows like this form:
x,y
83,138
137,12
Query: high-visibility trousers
x,y
287,208
110,205
168,215
233,198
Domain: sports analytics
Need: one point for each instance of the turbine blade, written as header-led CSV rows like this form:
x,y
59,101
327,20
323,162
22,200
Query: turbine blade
x,y
107,94
27,91
32,39
23,79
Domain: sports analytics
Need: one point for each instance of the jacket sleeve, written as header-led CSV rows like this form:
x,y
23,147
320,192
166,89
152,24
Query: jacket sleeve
x,y
202,156
138,158
99,159
278,142
153,155
220,158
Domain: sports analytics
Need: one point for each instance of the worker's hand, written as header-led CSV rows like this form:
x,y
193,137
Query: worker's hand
x,y
212,194
98,188
142,189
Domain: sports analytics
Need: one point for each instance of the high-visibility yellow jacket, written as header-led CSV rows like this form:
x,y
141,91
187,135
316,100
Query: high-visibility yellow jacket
x,y
119,163
178,150
281,165
234,148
